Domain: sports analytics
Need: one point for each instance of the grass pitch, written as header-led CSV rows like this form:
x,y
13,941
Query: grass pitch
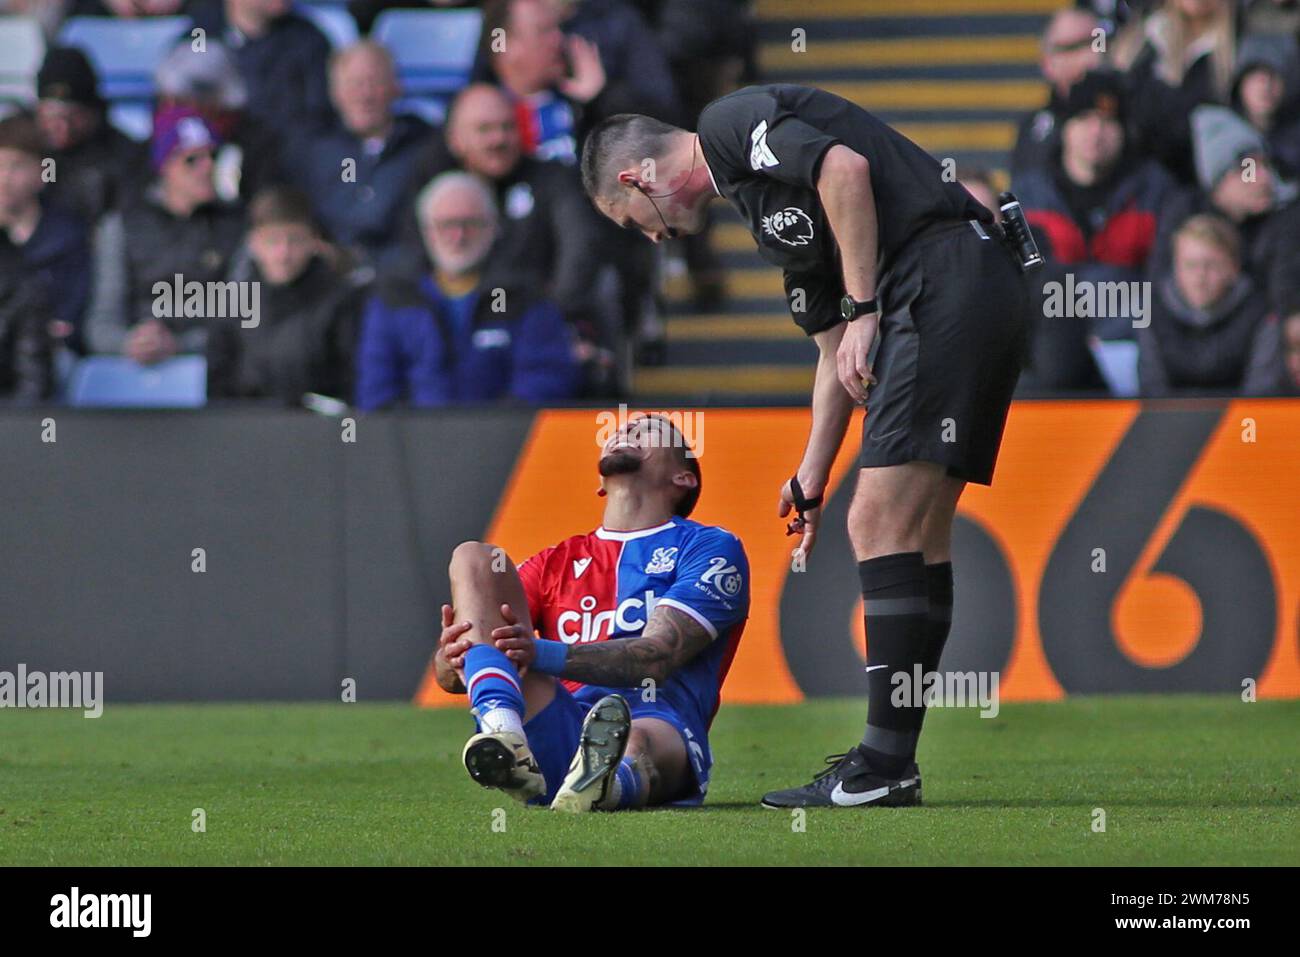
x,y
1181,779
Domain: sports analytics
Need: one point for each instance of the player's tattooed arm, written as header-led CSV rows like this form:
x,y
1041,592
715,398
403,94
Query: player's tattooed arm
x,y
671,638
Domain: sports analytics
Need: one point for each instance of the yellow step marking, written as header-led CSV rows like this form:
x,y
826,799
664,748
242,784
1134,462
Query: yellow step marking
x,y
749,326
732,238
765,379
941,138
876,95
760,282
919,51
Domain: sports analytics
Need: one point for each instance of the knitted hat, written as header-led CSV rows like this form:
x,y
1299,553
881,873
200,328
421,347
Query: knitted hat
x,y
1100,90
1220,138
66,74
181,128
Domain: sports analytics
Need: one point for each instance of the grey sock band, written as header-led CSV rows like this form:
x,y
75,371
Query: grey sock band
x,y
899,743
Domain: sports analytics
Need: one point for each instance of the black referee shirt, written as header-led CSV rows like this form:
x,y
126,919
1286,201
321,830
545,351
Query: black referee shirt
x,y
764,146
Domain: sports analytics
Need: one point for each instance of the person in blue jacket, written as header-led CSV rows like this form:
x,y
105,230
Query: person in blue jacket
x,y
461,332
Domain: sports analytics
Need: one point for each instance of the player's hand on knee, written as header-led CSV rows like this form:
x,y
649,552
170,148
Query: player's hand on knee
x,y
515,640
452,643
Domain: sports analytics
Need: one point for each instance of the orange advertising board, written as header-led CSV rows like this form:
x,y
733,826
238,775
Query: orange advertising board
x,y
1143,546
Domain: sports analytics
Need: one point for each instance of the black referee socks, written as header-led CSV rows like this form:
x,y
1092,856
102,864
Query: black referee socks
x,y
896,608
938,581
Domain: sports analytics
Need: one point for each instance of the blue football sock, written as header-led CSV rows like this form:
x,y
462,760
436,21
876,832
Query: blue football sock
x,y
628,785
495,694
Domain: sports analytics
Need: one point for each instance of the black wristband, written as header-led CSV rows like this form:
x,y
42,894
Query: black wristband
x,y
802,504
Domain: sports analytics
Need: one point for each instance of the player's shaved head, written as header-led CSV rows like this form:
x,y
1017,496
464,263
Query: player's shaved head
x,y
624,140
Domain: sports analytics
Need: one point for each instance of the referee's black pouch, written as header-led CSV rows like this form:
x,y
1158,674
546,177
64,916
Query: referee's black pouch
x,y
1017,235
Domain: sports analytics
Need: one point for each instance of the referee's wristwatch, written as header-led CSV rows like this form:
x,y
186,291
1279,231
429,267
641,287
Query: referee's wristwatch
x,y
851,308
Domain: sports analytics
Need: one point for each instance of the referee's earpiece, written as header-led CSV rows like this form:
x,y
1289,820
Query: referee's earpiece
x,y
671,231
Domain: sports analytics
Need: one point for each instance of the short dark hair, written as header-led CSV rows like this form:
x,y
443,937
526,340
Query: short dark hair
x,y
620,140
687,457
20,132
691,497
281,205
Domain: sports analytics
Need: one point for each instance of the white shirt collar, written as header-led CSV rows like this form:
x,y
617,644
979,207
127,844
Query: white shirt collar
x,y
612,536
710,172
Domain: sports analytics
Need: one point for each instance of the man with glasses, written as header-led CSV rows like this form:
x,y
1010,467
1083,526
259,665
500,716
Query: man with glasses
x,y
179,227
463,331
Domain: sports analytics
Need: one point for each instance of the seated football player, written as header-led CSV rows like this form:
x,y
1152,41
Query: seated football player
x,y
594,668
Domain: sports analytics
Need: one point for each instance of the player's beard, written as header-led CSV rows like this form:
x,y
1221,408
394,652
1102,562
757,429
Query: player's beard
x,y
619,462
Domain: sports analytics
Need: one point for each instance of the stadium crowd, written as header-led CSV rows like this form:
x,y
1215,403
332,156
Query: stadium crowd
x,y
432,258
1166,155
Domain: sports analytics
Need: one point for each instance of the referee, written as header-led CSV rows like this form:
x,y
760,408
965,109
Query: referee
x,y
876,244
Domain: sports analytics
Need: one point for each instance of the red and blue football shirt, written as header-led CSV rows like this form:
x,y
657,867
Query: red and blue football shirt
x,y
603,586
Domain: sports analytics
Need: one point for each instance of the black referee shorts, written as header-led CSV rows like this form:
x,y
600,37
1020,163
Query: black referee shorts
x,y
953,338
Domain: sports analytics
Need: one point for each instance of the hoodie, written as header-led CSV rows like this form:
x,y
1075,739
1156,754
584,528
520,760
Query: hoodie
x,y
1230,346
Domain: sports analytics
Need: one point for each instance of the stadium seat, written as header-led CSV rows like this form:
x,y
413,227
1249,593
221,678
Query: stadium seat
x,y
116,382
133,118
1118,362
434,51
22,48
125,52
332,20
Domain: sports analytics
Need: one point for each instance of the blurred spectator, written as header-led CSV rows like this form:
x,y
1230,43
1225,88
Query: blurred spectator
x,y
548,227
308,312
208,81
609,62
280,55
359,172
179,228
710,46
1210,327
97,166
1094,211
1264,84
1114,14
637,78
1178,57
523,49
560,88
1279,17
980,185
1069,49
25,365
53,242
1238,182
453,335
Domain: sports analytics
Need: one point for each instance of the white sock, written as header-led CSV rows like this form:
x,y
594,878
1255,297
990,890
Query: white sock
x,y
501,719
